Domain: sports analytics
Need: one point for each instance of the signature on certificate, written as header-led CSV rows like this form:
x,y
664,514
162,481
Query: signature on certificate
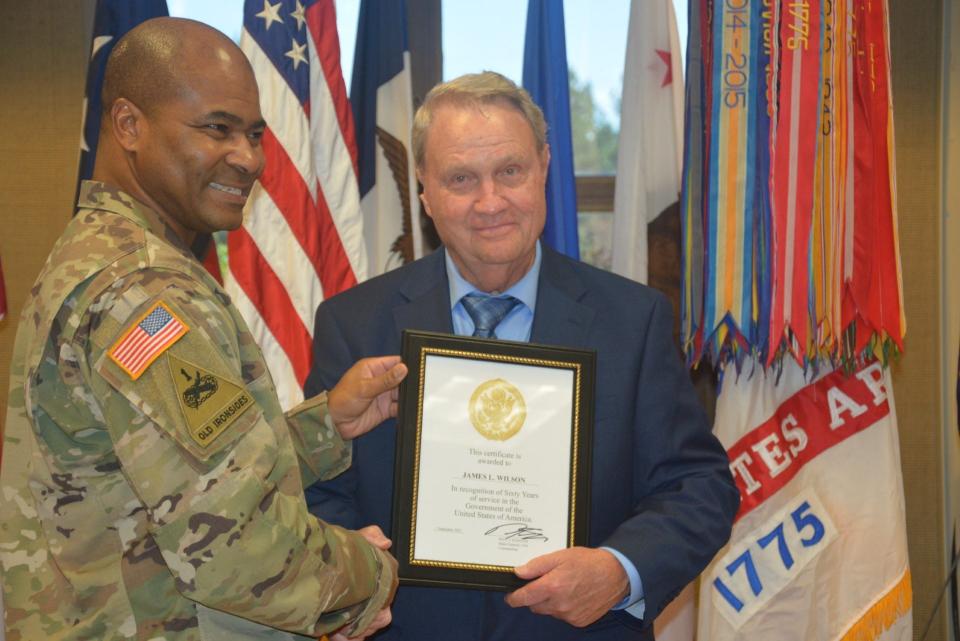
x,y
518,531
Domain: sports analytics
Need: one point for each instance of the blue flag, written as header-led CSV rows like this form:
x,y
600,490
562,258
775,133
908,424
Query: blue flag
x,y
113,19
381,95
545,77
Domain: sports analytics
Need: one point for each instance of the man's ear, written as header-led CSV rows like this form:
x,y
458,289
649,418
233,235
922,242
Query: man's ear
x,y
127,123
545,157
426,205
423,195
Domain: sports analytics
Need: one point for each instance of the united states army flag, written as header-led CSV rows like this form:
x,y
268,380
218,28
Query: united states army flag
x,y
819,548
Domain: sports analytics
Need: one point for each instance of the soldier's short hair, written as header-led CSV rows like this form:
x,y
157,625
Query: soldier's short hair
x,y
476,90
146,65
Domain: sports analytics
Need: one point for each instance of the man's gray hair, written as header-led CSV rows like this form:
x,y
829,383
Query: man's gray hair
x,y
476,90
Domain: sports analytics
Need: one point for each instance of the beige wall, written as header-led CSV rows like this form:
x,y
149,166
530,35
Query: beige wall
x,y
43,49
916,45
951,270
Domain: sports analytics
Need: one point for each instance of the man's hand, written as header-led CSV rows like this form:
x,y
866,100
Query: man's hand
x,y
577,585
375,536
366,395
382,620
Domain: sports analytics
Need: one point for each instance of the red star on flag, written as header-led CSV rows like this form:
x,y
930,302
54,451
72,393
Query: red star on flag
x,y
665,57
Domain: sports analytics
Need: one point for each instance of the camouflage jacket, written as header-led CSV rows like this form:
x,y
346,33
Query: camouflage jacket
x,y
151,487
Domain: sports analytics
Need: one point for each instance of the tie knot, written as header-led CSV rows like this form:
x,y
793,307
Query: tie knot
x,y
487,312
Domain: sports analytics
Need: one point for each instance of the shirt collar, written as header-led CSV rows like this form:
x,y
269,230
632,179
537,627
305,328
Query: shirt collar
x,y
524,290
98,195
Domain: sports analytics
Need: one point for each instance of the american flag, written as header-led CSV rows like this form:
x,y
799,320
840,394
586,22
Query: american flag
x,y
302,235
146,340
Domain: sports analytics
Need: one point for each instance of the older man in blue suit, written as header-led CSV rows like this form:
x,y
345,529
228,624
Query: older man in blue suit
x,y
662,496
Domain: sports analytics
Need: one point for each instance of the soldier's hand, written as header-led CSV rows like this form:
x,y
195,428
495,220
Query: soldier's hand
x,y
375,536
366,395
577,585
382,620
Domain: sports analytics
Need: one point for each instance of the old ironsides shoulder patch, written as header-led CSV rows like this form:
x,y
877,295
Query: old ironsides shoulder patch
x,y
146,339
210,403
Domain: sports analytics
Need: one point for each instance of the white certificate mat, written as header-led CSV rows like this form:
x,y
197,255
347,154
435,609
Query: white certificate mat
x,y
494,486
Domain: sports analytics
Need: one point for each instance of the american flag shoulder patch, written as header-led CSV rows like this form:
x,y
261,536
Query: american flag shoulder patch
x,y
147,339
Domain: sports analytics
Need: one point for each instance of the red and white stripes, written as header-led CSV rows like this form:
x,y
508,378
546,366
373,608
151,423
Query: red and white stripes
x,y
302,238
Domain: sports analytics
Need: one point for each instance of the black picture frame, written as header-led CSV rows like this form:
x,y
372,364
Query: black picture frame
x,y
417,346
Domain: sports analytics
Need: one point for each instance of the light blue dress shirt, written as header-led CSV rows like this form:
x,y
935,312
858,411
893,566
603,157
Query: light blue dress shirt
x,y
516,326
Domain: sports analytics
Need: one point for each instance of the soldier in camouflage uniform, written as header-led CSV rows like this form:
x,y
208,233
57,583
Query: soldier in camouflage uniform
x,y
151,486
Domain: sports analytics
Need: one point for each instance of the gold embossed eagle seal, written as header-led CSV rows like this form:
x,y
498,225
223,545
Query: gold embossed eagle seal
x,y
497,409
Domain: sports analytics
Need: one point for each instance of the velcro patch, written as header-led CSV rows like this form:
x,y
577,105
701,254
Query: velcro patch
x,y
210,403
147,339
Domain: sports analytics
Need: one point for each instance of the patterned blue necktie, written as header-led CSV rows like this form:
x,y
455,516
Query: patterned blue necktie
x,y
487,312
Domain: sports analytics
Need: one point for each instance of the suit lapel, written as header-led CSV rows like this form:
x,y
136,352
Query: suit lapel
x,y
427,297
560,318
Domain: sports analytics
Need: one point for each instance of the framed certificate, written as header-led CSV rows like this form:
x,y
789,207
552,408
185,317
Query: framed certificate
x,y
492,458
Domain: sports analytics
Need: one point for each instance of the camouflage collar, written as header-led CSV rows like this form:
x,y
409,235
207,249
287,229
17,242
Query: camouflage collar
x,y
98,195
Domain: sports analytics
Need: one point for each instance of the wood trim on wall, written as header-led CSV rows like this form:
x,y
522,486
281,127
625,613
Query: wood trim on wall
x,y
595,193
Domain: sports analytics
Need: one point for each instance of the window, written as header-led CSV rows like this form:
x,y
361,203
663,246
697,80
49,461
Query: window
x,y
596,80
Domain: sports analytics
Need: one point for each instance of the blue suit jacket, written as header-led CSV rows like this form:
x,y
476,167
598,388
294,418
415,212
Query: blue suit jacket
x,y
662,493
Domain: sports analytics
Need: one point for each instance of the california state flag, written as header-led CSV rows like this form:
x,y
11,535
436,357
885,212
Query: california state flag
x,y
649,159
819,548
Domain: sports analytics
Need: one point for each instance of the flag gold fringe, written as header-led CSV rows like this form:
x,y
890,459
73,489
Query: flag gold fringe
x,y
883,613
